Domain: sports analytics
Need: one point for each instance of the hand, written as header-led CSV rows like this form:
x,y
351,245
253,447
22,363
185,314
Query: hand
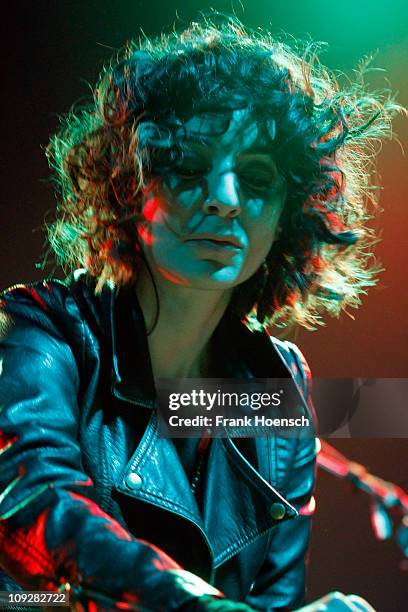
x,y
338,602
208,603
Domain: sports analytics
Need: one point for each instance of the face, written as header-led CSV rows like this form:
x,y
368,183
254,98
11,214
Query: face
x,y
211,221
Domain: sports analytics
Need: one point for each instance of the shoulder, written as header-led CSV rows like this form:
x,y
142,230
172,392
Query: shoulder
x,y
39,304
47,303
59,301
49,313
299,370
295,361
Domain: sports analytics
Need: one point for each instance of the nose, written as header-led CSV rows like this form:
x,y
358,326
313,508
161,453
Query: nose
x,y
223,197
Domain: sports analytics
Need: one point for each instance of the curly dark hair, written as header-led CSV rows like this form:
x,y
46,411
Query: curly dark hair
x,y
105,154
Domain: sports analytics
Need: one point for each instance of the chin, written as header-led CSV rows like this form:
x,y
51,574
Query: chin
x,y
222,279
219,280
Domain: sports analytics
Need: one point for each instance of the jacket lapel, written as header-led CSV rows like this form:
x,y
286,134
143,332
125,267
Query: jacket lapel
x,y
238,504
161,478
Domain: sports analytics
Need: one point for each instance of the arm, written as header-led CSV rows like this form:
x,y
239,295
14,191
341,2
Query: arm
x,y
51,530
280,585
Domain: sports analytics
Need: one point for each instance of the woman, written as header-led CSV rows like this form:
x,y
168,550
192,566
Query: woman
x,y
216,186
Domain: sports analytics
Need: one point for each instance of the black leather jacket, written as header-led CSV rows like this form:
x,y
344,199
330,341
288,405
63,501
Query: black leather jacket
x,y
91,496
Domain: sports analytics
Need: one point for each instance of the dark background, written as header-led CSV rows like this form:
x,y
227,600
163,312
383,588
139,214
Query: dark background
x,y
52,50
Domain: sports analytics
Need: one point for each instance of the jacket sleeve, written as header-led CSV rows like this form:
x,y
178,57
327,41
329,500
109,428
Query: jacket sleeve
x,y
280,584
53,535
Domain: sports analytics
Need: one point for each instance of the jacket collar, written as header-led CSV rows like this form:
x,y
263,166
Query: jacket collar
x,y
132,369
133,379
117,314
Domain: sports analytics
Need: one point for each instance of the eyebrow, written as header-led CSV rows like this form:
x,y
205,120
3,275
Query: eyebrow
x,y
263,150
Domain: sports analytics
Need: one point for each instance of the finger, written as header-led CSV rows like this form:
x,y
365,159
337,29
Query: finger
x,y
226,605
336,602
332,602
360,603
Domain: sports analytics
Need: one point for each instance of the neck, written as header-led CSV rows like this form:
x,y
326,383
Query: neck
x,y
180,344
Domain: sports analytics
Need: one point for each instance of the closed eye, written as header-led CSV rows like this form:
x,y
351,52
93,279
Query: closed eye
x,y
258,181
188,171
258,172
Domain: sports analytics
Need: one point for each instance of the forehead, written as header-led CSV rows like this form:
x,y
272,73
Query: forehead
x,y
236,129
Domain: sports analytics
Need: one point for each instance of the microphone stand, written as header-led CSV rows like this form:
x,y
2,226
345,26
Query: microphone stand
x,y
384,495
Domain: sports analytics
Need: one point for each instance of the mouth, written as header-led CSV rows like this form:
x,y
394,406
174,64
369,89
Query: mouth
x,y
222,241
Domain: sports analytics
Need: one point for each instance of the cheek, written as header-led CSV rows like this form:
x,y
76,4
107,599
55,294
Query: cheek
x,y
261,226
182,200
260,246
168,210
261,222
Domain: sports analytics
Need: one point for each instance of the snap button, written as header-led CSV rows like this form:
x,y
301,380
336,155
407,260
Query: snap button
x,y
133,480
277,511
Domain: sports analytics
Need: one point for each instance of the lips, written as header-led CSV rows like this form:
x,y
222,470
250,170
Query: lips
x,y
221,240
